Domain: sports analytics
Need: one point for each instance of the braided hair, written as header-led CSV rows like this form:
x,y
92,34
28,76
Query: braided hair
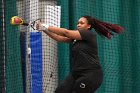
x,y
103,28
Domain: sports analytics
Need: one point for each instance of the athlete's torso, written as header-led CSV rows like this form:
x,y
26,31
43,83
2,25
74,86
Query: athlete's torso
x,y
85,52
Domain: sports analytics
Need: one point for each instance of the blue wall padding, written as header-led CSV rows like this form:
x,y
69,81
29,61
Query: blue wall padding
x,y
36,62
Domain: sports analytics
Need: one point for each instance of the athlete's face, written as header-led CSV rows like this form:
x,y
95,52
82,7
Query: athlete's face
x,y
83,24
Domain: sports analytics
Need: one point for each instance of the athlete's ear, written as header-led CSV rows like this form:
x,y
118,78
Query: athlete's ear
x,y
89,26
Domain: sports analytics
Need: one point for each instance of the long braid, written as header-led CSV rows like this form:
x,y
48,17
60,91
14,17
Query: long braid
x,y
104,28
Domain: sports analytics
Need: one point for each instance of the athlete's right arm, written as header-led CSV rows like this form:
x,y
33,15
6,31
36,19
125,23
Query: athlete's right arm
x,y
57,37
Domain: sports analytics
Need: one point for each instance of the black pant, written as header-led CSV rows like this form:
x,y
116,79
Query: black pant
x,y
81,82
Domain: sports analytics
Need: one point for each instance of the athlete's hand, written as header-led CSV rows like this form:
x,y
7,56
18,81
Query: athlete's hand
x,y
41,27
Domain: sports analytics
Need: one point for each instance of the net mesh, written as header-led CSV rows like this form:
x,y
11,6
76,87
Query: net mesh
x,y
41,73
2,80
32,62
